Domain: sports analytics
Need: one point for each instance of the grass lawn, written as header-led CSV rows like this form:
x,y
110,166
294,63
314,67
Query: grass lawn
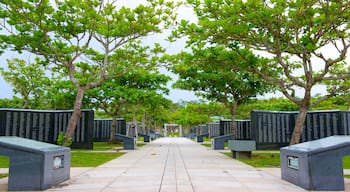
x,y
2,175
271,159
141,144
94,158
140,139
206,144
4,162
78,159
209,144
85,158
260,159
346,162
104,146
175,134
91,159
206,139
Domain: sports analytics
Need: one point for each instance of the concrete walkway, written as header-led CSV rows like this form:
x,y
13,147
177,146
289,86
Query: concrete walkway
x,y
175,165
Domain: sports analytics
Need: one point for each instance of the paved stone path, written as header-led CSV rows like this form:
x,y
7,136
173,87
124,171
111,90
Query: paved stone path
x,y
175,165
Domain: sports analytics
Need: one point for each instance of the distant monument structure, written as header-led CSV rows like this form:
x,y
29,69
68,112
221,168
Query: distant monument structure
x,y
172,128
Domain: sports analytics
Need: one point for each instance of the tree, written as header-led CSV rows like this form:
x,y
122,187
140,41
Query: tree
x,y
150,109
208,72
27,79
115,94
83,38
295,35
15,102
194,113
60,94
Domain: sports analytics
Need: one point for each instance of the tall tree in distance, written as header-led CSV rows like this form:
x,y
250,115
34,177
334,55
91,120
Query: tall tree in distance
x,y
114,95
81,37
27,79
208,72
307,42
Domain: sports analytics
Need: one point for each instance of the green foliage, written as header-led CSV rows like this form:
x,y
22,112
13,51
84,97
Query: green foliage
x,y
214,72
195,113
27,79
341,102
292,36
15,102
136,95
87,41
273,104
63,140
134,86
292,32
60,94
210,73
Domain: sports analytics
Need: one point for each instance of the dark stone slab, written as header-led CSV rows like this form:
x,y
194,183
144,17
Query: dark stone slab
x,y
219,142
200,137
129,142
146,138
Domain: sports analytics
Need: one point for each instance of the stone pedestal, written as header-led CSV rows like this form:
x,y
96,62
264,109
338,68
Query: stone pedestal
x,y
241,148
34,165
316,165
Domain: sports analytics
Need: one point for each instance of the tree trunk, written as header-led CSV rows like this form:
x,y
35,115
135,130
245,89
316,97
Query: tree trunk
x,y
72,124
299,125
233,111
25,101
148,127
113,129
134,114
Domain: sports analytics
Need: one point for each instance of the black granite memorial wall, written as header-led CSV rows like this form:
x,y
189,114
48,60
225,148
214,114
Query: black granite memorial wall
x,y
45,125
272,129
214,129
243,128
102,128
